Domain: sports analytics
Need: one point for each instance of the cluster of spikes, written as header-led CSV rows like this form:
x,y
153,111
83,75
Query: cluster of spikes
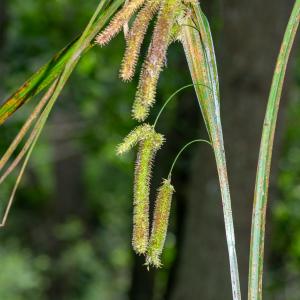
x,y
149,143
170,14
166,31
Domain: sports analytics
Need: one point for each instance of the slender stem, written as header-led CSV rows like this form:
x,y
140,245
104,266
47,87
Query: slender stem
x,y
264,162
182,149
172,96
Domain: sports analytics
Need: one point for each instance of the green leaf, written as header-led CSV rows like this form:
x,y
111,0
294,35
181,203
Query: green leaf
x,y
96,23
36,83
200,55
50,71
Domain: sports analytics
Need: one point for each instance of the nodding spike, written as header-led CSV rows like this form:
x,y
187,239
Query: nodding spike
x,y
135,38
116,24
145,96
160,224
145,157
138,134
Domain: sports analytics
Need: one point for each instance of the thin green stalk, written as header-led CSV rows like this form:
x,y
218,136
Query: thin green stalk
x,y
200,55
265,157
172,96
180,152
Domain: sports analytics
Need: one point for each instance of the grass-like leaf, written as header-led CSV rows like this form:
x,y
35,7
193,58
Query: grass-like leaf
x,y
50,71
96,23
265,157
198,46
21,134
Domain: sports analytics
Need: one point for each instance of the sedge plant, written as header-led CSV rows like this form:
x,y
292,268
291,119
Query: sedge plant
x,y
175,20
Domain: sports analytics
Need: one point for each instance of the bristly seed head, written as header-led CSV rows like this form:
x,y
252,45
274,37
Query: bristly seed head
x,y
116,24
140,111
165,32
147,151
153,64
160,224
135,38
138,134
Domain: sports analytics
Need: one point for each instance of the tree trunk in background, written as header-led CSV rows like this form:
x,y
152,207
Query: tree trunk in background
x,y
247,51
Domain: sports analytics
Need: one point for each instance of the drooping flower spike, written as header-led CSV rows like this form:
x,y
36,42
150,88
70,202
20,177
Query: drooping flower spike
x,y
135,38
160,223
149,143
138,134
154,61
162,213
165,32
143,170
119,20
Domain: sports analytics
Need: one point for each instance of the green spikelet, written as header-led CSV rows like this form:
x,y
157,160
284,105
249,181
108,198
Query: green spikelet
x,y
153,64
140,111
160,224
118,21
135,38
175,33
145,157
138,134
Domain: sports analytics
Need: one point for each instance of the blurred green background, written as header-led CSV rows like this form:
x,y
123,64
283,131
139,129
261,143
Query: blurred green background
x,y
69,232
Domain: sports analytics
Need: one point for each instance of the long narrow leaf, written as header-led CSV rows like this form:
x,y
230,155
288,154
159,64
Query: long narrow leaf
x,y
25,128
49,72
83,43
264,162
199,51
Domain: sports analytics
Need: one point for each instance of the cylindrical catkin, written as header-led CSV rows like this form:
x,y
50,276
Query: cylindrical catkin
x,y
160,223
138,134
145,157
115,25
135,38
145,95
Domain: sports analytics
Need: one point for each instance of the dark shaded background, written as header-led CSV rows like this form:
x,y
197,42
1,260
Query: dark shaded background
x,y
69,232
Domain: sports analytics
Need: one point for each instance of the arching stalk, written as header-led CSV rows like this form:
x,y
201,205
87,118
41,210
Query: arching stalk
x,y
182,150
172,96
